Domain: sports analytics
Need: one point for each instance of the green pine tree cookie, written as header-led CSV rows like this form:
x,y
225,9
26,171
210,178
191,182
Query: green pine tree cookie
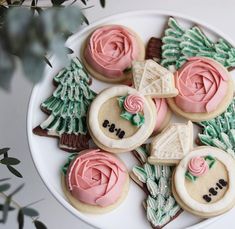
x,y
180,43
220,131
68,107
160,205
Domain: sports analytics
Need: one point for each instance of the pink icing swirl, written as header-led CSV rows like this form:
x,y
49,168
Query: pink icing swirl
x,y
198,166
202,85
161,109
133,104
96,178
111,50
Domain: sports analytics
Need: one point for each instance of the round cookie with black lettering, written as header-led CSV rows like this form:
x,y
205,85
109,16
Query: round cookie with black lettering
x,y
204,182
121,119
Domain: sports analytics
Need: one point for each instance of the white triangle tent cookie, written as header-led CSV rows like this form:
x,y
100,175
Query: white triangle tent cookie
x,y
172,144
151,79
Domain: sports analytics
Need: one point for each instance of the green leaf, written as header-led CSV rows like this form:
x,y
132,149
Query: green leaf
x,y
137,120
69,19
30,212
208,157
211,163
69,50
4,150
47,61
84,2
189,176
39,225
33,66
102,3
10,161
9,209
20,219
84,19
58,2
58,48
4,187
126,115
16,190
14,171
7,65
121,101
6,209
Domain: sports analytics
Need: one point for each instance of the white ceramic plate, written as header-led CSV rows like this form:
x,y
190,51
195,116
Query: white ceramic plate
x,y
48,158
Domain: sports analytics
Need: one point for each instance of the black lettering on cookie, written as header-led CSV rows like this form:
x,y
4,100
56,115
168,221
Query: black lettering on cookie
x,y
207,198
112,128
212,191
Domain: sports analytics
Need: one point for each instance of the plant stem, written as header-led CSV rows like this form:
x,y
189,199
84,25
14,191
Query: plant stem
x,y
3,195
17,205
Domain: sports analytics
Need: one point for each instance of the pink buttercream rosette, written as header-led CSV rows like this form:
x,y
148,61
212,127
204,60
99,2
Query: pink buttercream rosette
x,y
202,84
111,49
96,178
133,104
198,166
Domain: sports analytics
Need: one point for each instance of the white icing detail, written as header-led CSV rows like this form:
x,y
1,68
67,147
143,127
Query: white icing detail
x,y
173,143
179,180
152,79
125,143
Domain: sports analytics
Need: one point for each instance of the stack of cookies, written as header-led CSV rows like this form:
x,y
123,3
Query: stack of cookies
x,y
182,73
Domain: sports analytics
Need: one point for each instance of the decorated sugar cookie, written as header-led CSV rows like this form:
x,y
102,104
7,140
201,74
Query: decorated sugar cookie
x,y
152,79
121,118
220,131
155,180
180,43
67,108
109,51
205,89
204,182
170,146
95,181
163,115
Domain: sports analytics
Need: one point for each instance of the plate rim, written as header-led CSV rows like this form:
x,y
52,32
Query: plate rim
x,y
165,13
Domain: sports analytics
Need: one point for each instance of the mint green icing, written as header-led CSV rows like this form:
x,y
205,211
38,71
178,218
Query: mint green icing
x,y
135,119
160,204
66,165
180,43
220,131
68,106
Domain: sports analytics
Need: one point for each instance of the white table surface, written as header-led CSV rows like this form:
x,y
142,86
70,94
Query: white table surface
x,y
14,109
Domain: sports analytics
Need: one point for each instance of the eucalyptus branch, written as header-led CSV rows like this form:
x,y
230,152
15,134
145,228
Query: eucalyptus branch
x,y
10,204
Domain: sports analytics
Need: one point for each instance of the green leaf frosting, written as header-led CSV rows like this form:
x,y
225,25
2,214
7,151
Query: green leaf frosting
x,y
220,131
137,120
66,165
160,204
180,43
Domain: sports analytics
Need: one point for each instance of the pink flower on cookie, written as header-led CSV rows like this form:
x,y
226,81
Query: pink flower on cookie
x,y
96,178
133,104
198,166
111,49
202,85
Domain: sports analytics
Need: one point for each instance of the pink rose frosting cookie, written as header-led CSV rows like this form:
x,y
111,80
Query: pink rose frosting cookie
x,y
110,50
202,84
96,179
205,89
